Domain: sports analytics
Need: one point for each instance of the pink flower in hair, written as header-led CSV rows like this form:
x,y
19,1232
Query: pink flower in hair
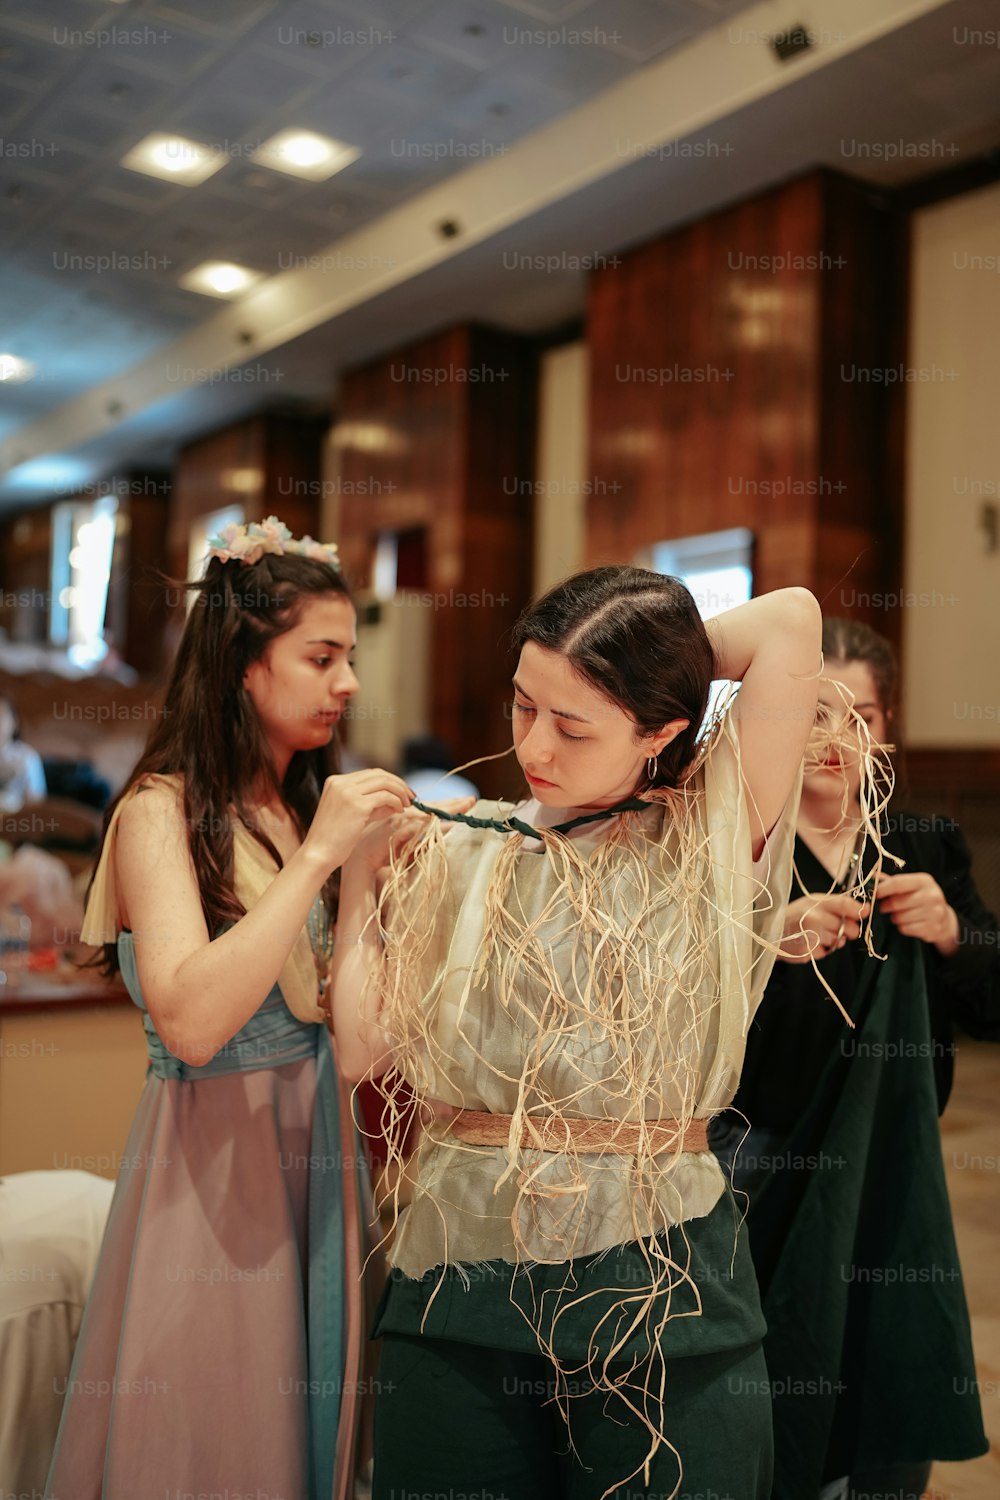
x,y
248,544
324,552
271,535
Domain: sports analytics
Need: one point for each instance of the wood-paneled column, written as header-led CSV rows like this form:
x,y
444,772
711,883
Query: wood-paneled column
x,y
439,437
739,379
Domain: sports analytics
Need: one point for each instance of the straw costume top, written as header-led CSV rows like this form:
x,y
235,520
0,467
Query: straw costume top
x,y
612,976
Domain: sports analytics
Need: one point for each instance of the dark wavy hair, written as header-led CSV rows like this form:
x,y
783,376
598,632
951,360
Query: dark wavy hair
x,y
208,731
853,640
638,638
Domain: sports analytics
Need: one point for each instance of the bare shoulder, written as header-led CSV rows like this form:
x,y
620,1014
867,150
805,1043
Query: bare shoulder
x,y
154,815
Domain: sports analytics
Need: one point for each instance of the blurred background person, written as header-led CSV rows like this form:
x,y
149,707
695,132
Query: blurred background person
x,y
869,1348
22,775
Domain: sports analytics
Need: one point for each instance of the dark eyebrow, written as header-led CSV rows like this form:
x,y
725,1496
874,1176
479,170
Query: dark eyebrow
x,y
559,713
335,645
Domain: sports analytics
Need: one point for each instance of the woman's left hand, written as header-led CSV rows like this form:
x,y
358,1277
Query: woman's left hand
x,y
917,906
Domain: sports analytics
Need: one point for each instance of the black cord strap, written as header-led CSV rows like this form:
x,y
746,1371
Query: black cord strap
x,y
514,825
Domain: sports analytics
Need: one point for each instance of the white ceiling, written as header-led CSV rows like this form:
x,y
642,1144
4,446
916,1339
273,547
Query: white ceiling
x,y
436,93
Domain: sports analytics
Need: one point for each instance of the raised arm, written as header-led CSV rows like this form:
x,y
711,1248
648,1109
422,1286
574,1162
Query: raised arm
x,y
200,991
772,646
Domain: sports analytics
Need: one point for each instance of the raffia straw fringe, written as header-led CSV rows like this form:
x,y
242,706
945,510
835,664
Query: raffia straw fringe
x,y
643,942
619,1137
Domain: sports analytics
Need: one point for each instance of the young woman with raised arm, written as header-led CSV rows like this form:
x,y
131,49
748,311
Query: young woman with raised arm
x,y
571,1307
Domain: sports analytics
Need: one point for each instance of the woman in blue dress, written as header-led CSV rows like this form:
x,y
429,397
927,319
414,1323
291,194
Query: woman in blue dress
x,y
221,1349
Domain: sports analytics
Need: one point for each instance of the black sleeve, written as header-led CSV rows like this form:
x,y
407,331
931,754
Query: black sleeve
x,y
968,981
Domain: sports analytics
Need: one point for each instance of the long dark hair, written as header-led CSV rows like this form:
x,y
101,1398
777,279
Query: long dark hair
x,y
638,638
208,732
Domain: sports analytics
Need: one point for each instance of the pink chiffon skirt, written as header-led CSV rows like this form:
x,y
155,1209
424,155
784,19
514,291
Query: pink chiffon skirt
x,y
221,1347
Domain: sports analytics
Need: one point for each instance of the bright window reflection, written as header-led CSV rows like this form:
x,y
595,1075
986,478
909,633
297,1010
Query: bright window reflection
x,y
716,567
83,537
201,530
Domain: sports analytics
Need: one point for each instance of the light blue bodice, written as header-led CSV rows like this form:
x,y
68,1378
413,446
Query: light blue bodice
x,y
272,1036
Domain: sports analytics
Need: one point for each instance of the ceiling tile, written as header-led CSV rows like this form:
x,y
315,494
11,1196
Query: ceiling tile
x,y
473,32
307,35
27,60
62,20
164,50
503,105
548,11
117,89
216,211
65,121
227,19
717,10
407,70
115,219
260,189
14,103
639,29
342,214
37,157
575,73
117,184
216,115
410,162
355,115
273,82
383,15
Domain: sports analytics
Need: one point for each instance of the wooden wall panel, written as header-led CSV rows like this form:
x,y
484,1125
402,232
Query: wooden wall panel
x,y
426,438
716,395
145,604
25,574
269,464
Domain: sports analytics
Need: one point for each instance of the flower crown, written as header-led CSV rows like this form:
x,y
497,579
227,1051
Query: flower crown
x,y
248,544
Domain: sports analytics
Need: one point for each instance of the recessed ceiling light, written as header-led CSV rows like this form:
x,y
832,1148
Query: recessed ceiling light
x,y
303,153
220,278
174,158
15,370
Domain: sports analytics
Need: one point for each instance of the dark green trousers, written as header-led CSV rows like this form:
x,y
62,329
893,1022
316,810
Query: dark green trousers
x,y
472,1423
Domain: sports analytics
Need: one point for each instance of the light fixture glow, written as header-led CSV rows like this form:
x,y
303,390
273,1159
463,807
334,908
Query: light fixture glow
x,y
242,481
220,278
174,158
14,369
303,153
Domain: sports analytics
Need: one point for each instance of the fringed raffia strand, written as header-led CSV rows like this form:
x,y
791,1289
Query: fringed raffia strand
x,y
612,980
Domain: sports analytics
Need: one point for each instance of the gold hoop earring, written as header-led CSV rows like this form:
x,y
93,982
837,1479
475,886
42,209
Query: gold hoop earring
x,y
652,766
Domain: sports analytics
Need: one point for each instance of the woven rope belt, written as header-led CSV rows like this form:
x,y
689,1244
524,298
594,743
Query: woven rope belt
x,y
617,1137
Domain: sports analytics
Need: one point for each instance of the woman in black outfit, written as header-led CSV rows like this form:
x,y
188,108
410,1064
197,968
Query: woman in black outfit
x,y
869,1350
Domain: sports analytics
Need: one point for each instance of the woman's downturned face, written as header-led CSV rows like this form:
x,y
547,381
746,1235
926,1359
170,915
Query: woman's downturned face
x,y
576,747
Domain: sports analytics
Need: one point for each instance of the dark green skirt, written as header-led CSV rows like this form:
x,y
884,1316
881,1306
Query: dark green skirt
x,y
467,1402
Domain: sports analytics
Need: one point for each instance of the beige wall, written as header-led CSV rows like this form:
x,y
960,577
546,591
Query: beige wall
x,y
70,1079
951,629
560,472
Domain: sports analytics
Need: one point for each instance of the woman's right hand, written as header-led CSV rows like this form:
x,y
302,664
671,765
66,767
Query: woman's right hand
x,y
817,925
349,806
391,842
